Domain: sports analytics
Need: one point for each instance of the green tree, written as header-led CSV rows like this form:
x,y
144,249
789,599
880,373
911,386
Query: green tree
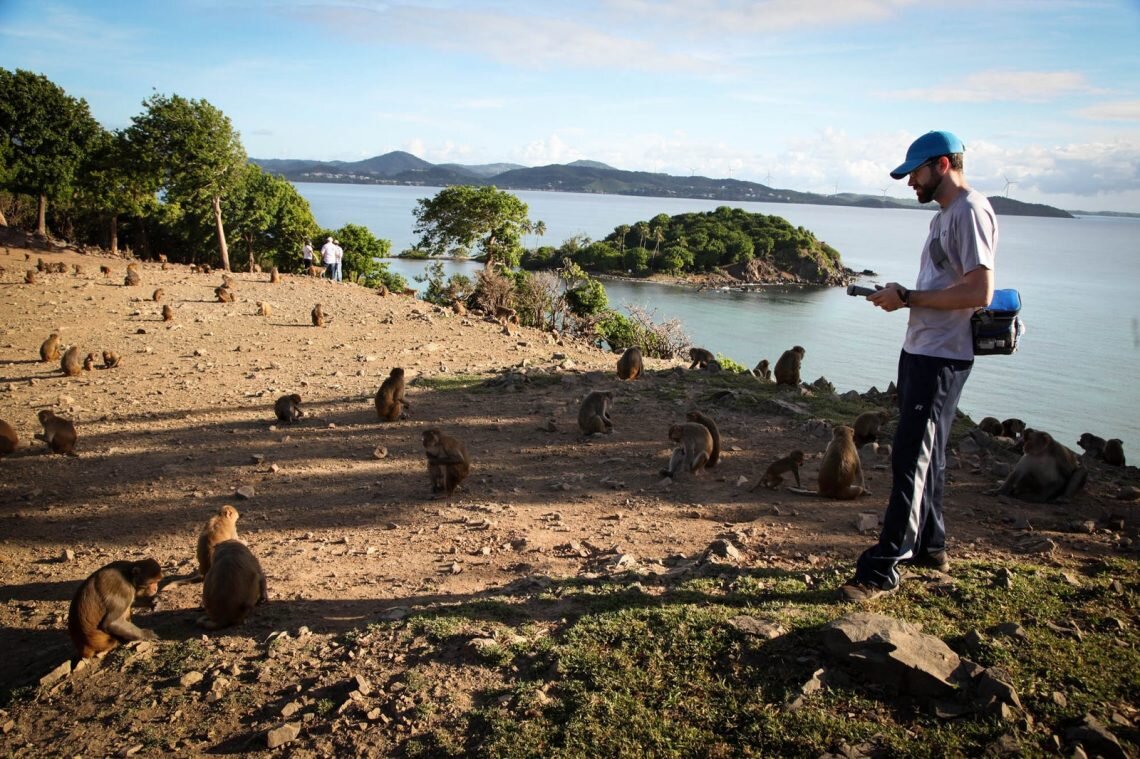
x,y
195,149
642,230
362,249
269,216
113,183
621,230
465,216
45,134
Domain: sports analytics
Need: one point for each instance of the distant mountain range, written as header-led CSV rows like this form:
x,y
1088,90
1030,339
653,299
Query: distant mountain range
x,y
403,168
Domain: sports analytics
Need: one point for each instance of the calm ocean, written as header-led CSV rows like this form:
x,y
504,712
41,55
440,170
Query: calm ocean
x,y
1075,372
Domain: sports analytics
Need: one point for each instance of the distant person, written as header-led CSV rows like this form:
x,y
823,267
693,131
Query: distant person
x,y
328,257
339,259
307,254
955,276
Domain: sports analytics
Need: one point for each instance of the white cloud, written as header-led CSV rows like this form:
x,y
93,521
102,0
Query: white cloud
x,y
757,16
548,150
1122,110
1006,86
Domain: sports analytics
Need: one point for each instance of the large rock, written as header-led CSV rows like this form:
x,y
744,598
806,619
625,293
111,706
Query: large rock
x,y
894,653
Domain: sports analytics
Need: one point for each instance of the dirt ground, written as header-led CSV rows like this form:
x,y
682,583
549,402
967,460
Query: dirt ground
x,y
337,507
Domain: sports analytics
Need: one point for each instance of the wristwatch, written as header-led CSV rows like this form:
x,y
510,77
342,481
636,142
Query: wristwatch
x,y
904,296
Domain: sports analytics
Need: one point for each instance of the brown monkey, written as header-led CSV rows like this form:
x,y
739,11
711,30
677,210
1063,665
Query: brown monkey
x,y
390,401
991,426
288,408
157,295
774,475
41,267
316,271
1045,472
274,276
233,586
840,473
59,433
162,258
111,359
193,268
448,462
594,414
693,454
630,365
762,371
71,364
1092,444
1012,428
700,358
49,350
225,295
506,315
867,426
222,526
458,307
89,362
132,278
77,270
105,271
318,316
788,367
99,618
167,313
8,438
1114,451
696,416
203,268
30,277
264,309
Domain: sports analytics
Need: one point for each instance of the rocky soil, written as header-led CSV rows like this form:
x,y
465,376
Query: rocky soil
x,y
337,507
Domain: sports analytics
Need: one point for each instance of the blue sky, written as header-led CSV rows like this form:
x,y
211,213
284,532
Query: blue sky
x,y
815,95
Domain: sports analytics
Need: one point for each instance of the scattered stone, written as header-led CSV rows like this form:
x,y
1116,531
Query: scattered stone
x,y
380,452
1095,738
757,628
57,674
722,549
290,709
67,555
191,679
395,614
1009,630
866,521
282,735
245,492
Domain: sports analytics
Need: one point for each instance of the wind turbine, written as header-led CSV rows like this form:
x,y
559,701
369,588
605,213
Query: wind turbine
x,y
884,189
1008,184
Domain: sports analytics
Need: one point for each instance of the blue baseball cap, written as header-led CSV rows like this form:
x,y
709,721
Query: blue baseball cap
x,y
929,145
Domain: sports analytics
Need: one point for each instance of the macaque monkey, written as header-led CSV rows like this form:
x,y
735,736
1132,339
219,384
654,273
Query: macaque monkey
x,y
288,408
840,472
99,618
1092,444
224,294
49,351
1047,471
162,258
696,416
991,426
594,414
30,277
447,460
788,367
774,475
867,426
693,453
59,433
8,438
630,365
132,278
71,364
89,362
264,309
158,294
228,282
77,270
1114,452
274,276
111,359
700,358
318,316
222,526
203,268
167,313
506,315
1012,428
390,403
233,586
762,371
105,271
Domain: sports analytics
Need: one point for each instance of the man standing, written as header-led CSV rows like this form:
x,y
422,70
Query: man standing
x,y
339,260
307,255
955,276
328,257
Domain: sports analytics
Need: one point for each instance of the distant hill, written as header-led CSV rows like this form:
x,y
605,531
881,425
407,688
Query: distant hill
x,y
403,168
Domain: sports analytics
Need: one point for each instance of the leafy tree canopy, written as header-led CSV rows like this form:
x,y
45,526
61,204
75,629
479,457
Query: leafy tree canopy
x,y
463,216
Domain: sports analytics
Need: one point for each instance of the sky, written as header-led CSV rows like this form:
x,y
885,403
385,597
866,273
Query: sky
x,y
812,95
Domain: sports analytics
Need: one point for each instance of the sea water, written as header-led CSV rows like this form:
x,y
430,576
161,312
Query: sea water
x,y
1076,369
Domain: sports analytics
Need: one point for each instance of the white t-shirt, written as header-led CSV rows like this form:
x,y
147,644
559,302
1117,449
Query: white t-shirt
x,y
328,253
307,252
963,236
339,253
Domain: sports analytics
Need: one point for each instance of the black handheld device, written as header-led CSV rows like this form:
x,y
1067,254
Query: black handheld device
x,y
860,290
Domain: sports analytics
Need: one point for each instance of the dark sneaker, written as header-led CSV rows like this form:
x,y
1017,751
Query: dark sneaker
x,y
861,592
933,560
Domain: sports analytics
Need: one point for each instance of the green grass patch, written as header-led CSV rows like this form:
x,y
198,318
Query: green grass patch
x,y
450,382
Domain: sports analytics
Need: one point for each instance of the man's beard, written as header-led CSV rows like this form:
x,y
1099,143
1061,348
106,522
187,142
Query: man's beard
x,y
925,191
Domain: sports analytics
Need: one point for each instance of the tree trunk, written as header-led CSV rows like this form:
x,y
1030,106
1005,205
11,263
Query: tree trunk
x,y
114,234
3,220
41,217
249,249
222,249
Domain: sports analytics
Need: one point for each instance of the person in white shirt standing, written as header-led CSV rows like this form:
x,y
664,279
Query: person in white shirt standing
x,y
339,259
328,258
307,255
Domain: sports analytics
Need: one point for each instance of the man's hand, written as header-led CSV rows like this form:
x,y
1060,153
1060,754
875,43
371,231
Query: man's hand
x,y
889,298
